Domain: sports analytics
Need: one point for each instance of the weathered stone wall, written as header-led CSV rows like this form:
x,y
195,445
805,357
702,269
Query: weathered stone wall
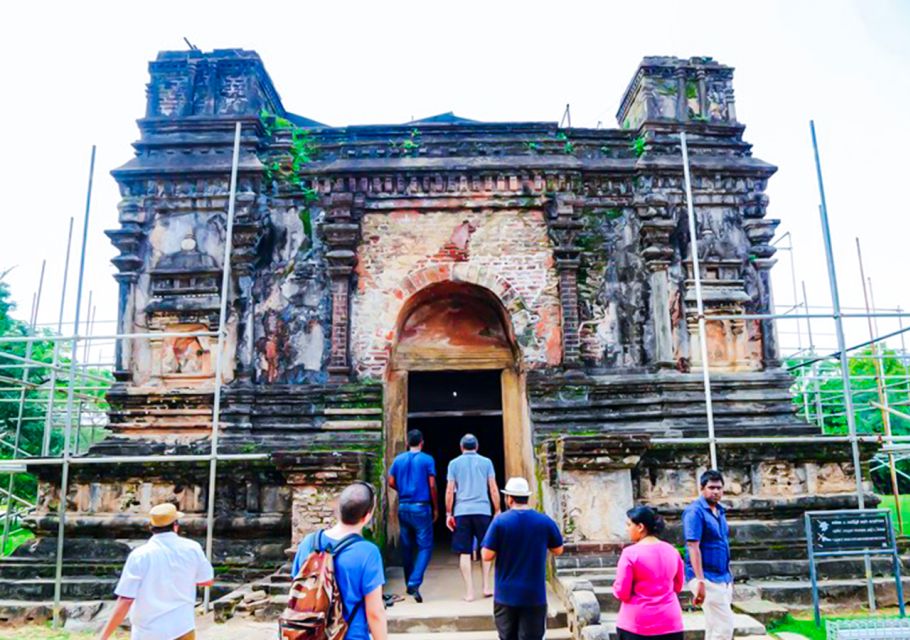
x,y
404,251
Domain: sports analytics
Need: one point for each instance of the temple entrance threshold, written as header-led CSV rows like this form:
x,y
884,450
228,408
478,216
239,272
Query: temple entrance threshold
x,y
445,405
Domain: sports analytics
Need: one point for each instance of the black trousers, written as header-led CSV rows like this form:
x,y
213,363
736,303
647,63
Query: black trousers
x,y
622,634
520,623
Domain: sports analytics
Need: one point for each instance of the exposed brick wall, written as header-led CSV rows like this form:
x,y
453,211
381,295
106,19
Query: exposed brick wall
x,y
506,251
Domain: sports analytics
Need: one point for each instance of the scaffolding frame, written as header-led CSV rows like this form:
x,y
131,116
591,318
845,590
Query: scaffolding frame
x,y
798,311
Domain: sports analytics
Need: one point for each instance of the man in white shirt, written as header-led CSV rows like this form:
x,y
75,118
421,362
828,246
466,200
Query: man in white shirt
x,y
159,582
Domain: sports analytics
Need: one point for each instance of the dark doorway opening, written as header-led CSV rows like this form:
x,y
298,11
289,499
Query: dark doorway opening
x,y
445,405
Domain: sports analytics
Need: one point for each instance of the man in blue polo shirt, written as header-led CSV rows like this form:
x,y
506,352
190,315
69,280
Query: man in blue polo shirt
x,y
471,486
358,566
413,476
519,540
708,557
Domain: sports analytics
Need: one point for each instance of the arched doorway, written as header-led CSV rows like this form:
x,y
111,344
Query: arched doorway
x,y
456,338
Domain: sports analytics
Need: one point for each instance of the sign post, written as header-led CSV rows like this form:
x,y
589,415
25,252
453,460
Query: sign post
x,y
863,532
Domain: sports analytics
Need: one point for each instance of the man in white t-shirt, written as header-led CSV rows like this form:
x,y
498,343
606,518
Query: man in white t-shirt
x,y
158,583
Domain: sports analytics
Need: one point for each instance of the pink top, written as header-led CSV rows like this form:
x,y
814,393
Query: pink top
x,y
648,577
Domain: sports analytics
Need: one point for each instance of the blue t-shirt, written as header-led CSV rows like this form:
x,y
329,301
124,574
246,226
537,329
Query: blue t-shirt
x,y
412,471
358,570
713,535
521,538
470,471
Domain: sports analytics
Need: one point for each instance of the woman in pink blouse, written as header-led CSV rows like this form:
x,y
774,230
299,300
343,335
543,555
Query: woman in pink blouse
x,y
649,575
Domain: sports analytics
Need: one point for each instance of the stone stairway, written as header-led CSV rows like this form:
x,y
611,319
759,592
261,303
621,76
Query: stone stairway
x,y
443,615
782,581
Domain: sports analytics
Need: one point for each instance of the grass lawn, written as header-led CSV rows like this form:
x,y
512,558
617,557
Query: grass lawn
x,y
805,623
15,539
888,503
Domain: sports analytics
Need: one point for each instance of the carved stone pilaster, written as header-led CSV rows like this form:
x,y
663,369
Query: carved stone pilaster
x,y
656,227
564,225
128,240
342,232
760,231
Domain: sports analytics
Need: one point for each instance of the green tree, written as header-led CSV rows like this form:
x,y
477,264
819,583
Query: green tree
x,y
17,372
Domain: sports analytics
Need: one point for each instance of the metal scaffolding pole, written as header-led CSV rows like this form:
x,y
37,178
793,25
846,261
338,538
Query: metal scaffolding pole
x,y
36,304
49,413
64,473
219,362
882,392
842,348
820,417
699,303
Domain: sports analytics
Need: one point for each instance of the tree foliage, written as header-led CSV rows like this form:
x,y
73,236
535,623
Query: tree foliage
x,y
22,366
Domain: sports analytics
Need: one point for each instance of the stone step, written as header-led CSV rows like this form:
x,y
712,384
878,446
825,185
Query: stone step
x,y
77,589
14,613
798,593
432,620
694,626
828,569
562,633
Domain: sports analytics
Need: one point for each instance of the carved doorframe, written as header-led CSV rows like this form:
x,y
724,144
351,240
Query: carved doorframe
x,y
516,415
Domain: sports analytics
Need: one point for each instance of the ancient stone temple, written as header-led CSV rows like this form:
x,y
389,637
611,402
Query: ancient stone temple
x,y
529,283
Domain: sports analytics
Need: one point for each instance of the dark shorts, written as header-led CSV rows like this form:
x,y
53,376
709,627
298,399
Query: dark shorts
x,y
468,529
520,623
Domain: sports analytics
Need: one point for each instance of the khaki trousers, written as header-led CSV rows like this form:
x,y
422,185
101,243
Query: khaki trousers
x,y
718,609
189,635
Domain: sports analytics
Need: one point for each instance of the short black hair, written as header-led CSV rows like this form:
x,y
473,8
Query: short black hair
x,y
520,499
711,475
469,442
165,529
648,517
355,502
415,437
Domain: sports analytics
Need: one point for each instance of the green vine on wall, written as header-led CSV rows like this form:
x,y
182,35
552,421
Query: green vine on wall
x,y
410,146
638,146
283,173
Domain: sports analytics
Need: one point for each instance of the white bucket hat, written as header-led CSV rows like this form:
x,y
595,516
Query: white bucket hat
x,y
517,487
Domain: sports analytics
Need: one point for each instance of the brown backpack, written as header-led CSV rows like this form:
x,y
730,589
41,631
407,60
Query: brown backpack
x,y
315,609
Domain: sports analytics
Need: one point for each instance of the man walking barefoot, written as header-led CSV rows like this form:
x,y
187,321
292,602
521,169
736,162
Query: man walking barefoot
x,y
158,584
471,487
519,540
413,476
708,557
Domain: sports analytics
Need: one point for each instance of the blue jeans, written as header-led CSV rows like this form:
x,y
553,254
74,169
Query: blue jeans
x,y
416,521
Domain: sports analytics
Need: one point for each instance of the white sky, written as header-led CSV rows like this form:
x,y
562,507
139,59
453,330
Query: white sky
x,y
74,74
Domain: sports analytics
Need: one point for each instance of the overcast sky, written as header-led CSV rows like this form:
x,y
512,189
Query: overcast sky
x,y
74,75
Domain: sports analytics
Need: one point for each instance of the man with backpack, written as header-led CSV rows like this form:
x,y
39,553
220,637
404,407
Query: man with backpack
x,y
413,476
338,576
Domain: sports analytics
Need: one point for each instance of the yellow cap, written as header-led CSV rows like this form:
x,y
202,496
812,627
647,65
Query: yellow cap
x,y
162,515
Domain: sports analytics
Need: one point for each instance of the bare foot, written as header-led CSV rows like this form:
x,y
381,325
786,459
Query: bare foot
x,y
469,597
487,595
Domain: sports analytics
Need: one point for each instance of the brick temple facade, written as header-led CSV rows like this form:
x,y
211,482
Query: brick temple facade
x,y
379,271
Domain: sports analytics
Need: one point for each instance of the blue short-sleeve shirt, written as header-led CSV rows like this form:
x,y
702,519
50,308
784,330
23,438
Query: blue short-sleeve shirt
x,y
471,472
412,471
358,570
521,538
713,535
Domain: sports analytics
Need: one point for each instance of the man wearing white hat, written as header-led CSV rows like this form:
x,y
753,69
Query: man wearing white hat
x,y
519,540
158,583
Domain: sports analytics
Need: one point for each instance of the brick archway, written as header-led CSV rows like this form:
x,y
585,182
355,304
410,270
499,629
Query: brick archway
x,y
418,281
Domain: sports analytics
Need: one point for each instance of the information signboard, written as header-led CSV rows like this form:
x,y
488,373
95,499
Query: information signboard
x,y
854,532
851,531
